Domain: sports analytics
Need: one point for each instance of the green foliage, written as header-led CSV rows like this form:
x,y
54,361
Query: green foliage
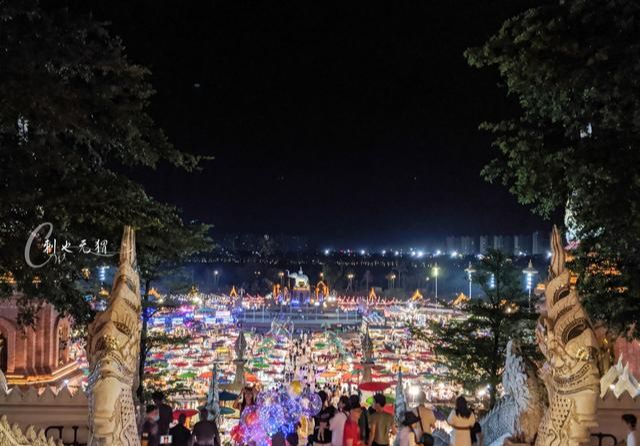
x,y
473,347
73,115
573,68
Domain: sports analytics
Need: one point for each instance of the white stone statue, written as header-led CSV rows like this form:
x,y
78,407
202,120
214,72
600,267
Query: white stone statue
x,y
520,409
566,338
301,280
113,348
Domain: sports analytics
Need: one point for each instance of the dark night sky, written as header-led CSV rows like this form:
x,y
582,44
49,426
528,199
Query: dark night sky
x,y
352,122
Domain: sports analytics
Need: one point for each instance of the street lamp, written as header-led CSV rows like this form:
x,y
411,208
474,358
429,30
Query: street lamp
x,y
350,276
216,275
392,280
529,272
436,270
281,275
470,270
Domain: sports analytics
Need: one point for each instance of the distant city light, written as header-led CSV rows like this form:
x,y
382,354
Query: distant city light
x,y
548,254
384,252
397,253
492,281
438,253
362,252
102,273
454,254
326,252
420,254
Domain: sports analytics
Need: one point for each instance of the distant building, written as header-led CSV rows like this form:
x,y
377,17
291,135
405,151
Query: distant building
x,y
521,244
539,243
453,244
468,245
484,245
503,243
40,355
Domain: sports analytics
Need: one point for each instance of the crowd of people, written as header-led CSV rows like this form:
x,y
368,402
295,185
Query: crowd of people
x,y
159,417
347,423
350,424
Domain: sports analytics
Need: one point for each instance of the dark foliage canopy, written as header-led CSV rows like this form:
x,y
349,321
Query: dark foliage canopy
x,y
573,68
73,117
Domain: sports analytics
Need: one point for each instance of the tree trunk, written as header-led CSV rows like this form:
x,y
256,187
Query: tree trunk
x,y
143,343
495,365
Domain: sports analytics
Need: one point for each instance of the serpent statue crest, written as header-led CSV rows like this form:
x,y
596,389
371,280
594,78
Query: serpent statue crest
x,y
113,347
570,373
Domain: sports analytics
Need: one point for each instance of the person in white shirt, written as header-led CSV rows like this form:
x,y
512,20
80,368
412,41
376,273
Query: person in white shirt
x,y
336,424
630,420
461,419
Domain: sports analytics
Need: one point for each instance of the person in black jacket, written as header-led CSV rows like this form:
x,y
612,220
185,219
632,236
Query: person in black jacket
x,y
166,412
180,434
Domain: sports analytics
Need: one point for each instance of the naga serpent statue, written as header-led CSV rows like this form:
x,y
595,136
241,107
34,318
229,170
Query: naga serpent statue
x,y
113,348
520,409
570,372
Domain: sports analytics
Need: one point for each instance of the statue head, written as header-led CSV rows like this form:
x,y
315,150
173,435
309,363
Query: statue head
x,y
567,340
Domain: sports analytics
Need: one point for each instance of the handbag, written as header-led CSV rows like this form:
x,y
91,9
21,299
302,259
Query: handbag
x,y
426,439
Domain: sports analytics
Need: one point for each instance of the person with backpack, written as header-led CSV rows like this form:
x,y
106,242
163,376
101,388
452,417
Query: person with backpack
x,y
427,419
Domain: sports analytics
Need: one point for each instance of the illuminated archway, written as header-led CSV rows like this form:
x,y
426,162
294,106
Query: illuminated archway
x,y
322,289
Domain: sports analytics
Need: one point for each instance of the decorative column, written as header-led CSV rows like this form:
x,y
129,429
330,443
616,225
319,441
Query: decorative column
x,y
240,348
367,357
400,404
213,397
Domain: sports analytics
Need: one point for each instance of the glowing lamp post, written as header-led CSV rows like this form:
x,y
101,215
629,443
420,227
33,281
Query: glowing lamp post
x,y
436,270
216,276
470,270
529,272
281,276
350,276
392,280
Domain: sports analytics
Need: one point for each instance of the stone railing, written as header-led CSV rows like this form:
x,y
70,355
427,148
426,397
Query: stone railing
x,y
63,413
12,435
